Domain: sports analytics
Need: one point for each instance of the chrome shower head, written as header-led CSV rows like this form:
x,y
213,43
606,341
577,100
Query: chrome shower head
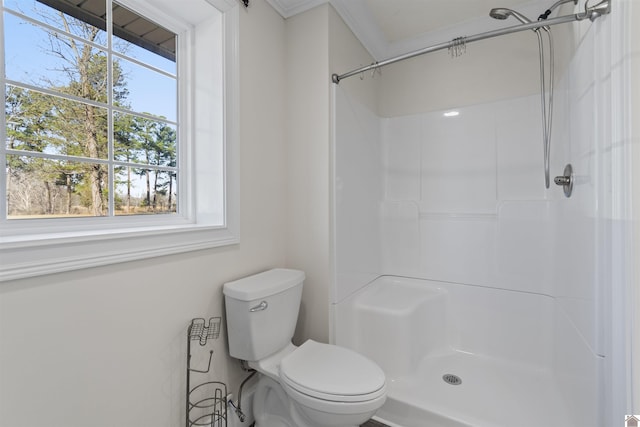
x,y
499,13
504,13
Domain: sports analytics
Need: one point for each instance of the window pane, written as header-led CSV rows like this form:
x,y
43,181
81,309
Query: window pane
x,y
145,191
48,188
86,20
36,56
141,140
148,91
53,125
139,38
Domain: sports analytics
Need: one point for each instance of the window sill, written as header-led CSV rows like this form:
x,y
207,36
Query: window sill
x,y
23,257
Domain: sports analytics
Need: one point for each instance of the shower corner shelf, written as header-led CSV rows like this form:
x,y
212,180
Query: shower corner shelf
x,y
206,402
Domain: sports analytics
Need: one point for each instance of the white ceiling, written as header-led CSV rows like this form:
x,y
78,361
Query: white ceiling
x,y
392,27
403,19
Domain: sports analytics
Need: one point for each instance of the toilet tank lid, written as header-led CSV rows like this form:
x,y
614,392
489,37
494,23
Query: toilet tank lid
x,y
263,284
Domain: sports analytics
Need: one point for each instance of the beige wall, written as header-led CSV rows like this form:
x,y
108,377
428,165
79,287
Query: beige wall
x,y
346,53
106,346
307,112
318,44
490,70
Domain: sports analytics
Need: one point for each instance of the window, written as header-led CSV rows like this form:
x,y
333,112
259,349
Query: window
x,y
119,131
91,117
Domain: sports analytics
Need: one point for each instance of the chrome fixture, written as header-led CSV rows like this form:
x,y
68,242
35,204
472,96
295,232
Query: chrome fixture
x,y
503,13
596,11
593,12
458,47
238,407
566,180
260,307
547,12
546,98
452,379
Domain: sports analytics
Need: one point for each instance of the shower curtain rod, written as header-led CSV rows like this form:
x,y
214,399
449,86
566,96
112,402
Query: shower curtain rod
x,y
592,13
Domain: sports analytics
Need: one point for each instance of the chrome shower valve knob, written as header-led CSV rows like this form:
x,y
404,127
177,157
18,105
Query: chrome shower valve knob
x,y
566,180
562,180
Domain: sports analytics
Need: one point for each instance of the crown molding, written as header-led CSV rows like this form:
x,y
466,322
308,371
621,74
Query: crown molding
x,y
289,8
358,17
223,5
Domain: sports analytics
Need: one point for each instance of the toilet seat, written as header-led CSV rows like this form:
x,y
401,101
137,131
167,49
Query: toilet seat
x,y
332,374
333,406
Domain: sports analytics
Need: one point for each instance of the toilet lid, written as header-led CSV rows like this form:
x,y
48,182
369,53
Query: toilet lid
x,y
331,372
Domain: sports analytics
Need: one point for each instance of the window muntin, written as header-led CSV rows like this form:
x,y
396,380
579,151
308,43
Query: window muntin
x,y
88,103
159,89
133,51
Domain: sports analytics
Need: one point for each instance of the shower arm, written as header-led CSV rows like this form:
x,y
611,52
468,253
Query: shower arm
x,y
592,13
548,12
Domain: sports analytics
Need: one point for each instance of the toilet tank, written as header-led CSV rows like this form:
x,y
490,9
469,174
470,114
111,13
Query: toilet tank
x,y
262,312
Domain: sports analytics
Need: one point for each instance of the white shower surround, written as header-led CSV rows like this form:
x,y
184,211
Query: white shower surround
x,y
461,200
490,244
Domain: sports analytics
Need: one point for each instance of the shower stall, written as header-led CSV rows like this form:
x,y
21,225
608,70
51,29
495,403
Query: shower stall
x,y
487,298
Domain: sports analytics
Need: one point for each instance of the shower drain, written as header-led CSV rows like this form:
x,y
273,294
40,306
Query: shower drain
x,y
452,379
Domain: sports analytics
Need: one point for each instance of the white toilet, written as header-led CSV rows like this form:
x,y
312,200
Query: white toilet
x,y
314,385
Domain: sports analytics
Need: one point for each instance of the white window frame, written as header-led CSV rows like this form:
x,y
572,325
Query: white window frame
x,y
209,161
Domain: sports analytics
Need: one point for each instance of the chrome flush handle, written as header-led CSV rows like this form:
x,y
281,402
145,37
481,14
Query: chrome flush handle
x,y
262,306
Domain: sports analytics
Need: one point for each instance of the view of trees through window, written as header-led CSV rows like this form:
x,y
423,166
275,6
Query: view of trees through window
x,y
91,123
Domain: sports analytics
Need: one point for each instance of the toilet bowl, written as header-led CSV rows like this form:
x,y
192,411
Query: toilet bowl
x,y
317,385
313,385
331,385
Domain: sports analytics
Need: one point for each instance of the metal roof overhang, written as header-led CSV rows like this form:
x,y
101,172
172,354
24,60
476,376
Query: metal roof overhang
x,y
127,25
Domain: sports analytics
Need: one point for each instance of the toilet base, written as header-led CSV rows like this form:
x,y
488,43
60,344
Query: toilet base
x,y
272,407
